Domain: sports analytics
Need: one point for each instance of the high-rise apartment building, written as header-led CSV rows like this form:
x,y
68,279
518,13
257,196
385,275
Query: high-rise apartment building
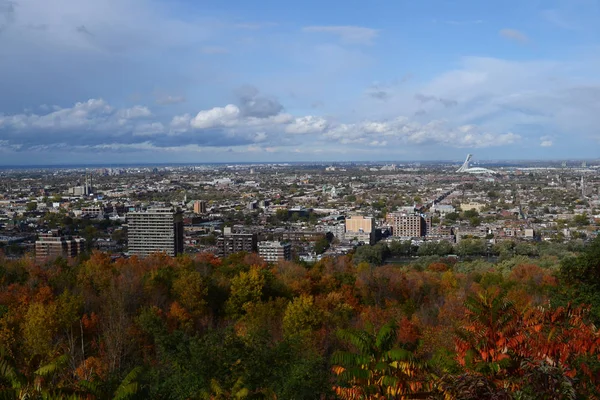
x,y
155,230
406,225
234,242
200,207
53,244
273,251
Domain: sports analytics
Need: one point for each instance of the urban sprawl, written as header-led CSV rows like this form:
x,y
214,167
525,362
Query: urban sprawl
x,y
302,212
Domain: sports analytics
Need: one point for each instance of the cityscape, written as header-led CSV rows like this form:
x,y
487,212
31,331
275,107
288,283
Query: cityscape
x,y
304,211
299,200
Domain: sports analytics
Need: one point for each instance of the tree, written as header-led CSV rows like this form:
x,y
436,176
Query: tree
x,y
282,214
31,206
40,384
372,254
376,368
452,217
321,245
490,324
581,220
191,291
399,248
246,287
475,221
301,316
39,329
582,277
470,214
471,247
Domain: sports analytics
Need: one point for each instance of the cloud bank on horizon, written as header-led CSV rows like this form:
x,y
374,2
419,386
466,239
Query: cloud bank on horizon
x,y
179,81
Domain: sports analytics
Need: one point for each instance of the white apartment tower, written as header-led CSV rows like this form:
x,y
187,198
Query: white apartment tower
x,y
155,230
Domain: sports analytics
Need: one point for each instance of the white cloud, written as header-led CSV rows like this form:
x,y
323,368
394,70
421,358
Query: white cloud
x,y
307,125
84,115
180,123
135,112
260,137
403,130
546,141
348,34
216,117
149,129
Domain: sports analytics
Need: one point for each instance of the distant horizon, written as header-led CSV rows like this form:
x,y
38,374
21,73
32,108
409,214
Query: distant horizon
x,y
321,162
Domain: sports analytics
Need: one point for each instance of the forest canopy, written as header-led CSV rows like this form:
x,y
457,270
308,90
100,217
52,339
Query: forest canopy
x,y
349,327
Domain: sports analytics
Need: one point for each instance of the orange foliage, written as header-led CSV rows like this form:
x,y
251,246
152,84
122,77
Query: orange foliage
x,y
527,273
408,331
178,314
89,367
208,258
438,267
254,260
44,295
90,322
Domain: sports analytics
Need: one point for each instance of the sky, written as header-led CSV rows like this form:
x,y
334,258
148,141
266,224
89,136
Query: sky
x,y
191,81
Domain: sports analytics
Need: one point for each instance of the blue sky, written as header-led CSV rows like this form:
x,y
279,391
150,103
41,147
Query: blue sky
x,y
202,81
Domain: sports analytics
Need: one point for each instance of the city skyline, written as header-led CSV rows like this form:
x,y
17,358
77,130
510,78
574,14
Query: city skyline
x,y
138,81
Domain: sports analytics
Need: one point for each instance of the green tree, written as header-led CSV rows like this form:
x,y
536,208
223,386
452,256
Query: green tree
x,y
581,220
581,275
475,221
471,247
321,245
452,217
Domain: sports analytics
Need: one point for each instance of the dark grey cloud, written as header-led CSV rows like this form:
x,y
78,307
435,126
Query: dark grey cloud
x,y
253,104
379,91
96,124
380,95
83,30
448,102
423,98
37,27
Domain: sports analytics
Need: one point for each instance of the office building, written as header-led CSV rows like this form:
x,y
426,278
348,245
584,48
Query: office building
x,y
234,242
361,228
274,251
83,190
406,225
155,230
337,229
298,236
93,211
53,244
200,207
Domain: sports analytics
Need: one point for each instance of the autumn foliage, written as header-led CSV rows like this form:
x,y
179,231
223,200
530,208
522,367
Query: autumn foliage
x,y
201,327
